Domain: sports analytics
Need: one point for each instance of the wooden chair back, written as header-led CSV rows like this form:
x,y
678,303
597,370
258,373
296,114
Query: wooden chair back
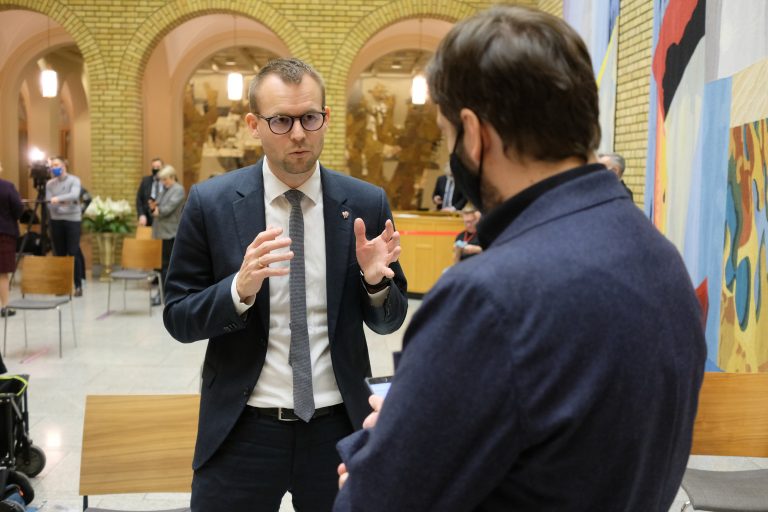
x,y
732,418
144,232
138,443
142,254
48,275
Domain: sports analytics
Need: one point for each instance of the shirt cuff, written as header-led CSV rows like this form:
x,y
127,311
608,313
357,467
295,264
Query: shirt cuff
x,y
241,307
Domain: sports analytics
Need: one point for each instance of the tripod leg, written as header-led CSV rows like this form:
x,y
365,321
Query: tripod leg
x,y
27,235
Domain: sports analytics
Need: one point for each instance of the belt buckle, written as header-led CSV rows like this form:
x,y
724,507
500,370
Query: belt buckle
x,y
281,418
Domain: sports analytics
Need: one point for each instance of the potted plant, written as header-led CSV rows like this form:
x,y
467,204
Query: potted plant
x,y
107,219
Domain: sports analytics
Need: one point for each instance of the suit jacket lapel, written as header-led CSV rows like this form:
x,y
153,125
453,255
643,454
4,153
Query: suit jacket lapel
x,y
338,237
250,220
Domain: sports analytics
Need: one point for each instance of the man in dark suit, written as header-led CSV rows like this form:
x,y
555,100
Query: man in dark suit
x,y
149,189
283,377
572,384
446,196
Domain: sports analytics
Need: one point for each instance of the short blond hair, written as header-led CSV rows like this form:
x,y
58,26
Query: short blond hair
x,y
166,172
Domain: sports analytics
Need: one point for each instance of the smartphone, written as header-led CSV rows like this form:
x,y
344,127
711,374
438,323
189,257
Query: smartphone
x,y
379,385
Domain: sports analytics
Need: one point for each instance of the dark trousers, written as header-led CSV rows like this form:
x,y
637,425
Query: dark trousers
x,y
263,458
65,236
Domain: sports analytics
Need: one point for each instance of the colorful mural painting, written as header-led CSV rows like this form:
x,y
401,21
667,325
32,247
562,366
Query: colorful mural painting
x,y
744,330
597,21
706,187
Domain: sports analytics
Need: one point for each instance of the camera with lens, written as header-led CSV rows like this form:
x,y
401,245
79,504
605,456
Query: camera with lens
x,y
39,170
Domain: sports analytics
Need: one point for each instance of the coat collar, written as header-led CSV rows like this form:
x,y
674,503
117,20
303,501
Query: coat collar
x,y
577,194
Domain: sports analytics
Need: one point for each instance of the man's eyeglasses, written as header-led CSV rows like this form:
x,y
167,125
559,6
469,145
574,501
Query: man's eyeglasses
x,y
281,124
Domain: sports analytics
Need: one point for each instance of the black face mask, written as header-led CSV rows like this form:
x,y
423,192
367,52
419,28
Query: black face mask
x,y
467,181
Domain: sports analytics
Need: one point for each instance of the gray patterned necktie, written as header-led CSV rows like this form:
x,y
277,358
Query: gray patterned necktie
x,y
303,397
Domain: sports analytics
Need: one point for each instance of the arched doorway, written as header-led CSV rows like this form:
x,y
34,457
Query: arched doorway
x,y
58,125
186,110
391,141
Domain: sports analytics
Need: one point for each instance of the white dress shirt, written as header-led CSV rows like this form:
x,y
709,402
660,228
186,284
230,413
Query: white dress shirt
x,y
274,387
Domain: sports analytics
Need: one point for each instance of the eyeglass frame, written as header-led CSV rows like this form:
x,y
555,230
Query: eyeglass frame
x,y
293,121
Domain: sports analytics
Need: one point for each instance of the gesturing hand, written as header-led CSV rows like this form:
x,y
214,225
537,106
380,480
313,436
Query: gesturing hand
x,y
374,256
258,256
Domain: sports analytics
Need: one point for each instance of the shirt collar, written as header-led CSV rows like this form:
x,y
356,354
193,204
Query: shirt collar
x,y
497,220
273,187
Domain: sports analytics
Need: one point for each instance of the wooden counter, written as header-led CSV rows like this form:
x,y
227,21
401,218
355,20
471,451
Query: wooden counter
x,y
427,240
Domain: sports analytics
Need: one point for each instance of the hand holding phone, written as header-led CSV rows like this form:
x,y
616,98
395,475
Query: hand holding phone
x,y
379,385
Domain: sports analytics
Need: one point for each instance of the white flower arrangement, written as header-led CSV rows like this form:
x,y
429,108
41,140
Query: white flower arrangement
x,y
107,216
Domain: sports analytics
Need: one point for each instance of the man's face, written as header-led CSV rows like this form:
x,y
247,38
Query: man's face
x,y
292,156
470,221
58,163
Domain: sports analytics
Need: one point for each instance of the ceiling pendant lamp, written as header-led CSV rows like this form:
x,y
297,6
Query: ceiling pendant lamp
x,y
235,86
49,83
419,90
234,79
419,83
49,80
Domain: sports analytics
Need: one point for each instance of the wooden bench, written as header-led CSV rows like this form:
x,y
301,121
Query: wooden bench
x,y
732,420
137,444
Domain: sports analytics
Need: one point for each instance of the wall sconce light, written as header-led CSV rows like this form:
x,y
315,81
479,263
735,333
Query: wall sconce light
x,y
49,80
234,79
419,83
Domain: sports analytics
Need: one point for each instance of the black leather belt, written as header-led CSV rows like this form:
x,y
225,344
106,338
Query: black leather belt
x,y
283,414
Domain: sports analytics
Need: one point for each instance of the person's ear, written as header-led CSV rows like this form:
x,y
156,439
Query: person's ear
x,y
473,136
253,124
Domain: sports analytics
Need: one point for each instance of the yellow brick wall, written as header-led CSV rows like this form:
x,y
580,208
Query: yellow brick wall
x,y
116,38
634,65
633,87
554,7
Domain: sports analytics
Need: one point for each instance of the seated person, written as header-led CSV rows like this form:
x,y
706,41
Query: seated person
x,y
467,244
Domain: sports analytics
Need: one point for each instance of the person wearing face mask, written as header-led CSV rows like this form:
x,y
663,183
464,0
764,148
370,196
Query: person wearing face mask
x,y
62,192
573,383
149,189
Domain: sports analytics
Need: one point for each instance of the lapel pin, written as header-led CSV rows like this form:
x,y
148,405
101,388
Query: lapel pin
x,y
345,214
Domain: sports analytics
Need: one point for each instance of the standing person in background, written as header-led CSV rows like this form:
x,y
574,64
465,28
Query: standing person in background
x,y
166,212
10,212
149,189
63,195
572,383
467,243
446,196
615,163
280,265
